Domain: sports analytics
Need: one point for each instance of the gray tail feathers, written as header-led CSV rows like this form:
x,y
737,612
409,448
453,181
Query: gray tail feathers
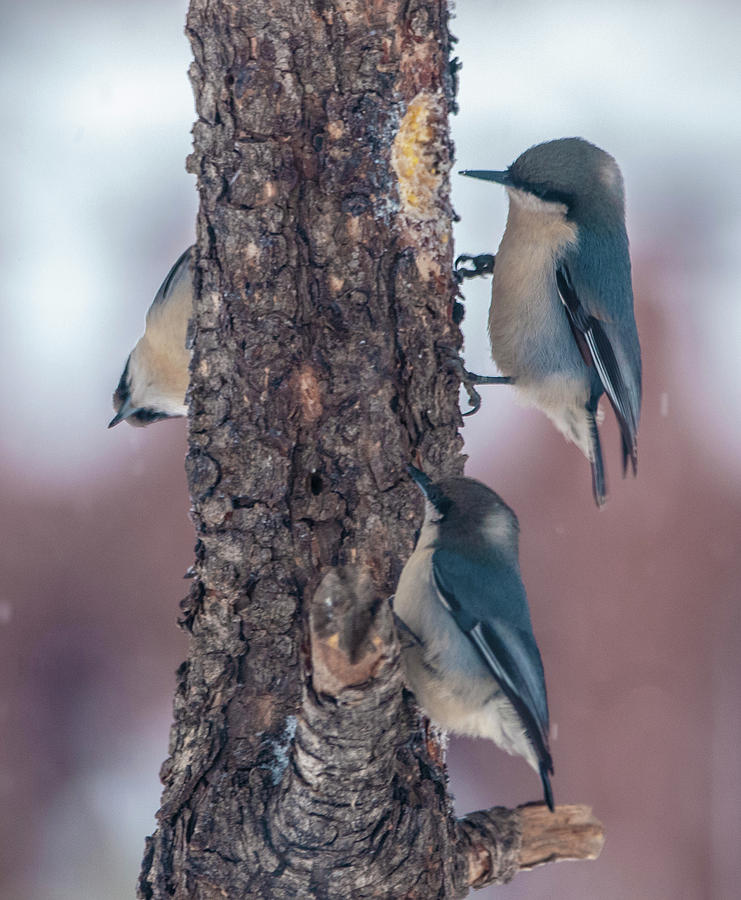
x,y
630,451
599,483
546,779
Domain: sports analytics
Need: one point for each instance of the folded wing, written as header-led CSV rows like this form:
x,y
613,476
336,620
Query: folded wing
x,y
488,602
595,289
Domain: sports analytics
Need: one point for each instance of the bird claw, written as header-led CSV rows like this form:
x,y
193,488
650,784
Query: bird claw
x,y
483,264
474,398
469,379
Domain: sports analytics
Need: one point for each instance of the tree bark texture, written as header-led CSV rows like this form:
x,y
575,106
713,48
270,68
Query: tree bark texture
x,y
298,765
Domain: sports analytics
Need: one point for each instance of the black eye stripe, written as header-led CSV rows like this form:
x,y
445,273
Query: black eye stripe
x,y
149,415
122,390
442,504
543,191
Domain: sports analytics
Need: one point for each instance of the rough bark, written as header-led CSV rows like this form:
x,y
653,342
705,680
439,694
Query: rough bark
x,y
298,765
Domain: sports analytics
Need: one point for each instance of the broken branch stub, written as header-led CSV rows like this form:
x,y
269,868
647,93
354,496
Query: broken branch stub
x,y
494,844
351,631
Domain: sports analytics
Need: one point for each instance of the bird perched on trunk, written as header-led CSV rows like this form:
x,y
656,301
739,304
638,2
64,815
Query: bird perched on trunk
x,y
471,657
155,377
561,320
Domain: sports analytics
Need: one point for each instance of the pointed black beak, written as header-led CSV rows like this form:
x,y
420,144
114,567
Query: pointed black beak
x,y
424,483
500,177
431,490
124,410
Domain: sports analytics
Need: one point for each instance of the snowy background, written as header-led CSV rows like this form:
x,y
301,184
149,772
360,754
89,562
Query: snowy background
x,y
636,608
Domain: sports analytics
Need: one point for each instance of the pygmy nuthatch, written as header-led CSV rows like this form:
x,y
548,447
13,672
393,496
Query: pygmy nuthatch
x,y
155,377
561,319
473,663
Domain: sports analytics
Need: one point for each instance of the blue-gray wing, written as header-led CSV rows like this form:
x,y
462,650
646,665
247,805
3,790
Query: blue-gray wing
x,y
488,602
595,288
181,270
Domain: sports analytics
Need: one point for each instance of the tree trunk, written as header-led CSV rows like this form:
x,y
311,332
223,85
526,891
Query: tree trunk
x,y
298,765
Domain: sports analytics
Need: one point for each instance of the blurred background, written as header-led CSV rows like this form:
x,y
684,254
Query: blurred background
x,y
635,607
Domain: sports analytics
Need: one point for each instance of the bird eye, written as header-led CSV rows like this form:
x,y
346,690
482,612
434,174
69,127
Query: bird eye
x,y
439,507
145,416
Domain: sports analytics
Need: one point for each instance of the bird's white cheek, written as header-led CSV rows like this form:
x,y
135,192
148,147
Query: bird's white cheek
x,y
498,528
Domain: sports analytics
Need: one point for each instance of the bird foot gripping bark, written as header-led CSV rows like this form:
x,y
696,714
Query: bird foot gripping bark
x,y
470,379
483,264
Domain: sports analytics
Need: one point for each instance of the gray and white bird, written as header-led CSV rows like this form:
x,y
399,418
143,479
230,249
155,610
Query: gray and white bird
x,y
472,661
155,378
561,320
